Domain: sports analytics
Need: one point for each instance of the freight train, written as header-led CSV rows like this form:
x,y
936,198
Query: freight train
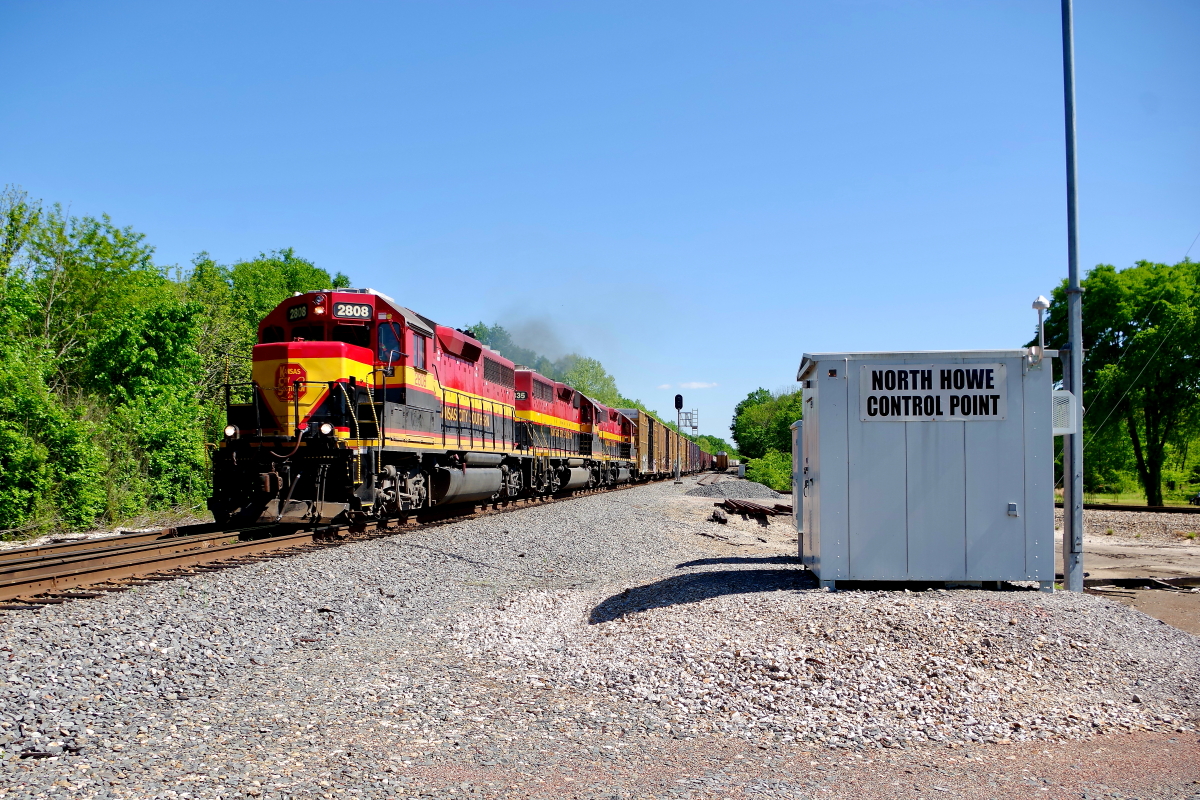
x,y
359,408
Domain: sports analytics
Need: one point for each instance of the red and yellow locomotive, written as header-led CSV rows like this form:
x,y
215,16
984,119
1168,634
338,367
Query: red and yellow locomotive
x,y
359,407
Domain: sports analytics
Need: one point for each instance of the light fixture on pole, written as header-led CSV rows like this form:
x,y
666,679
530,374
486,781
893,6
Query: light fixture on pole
x,y
1040,305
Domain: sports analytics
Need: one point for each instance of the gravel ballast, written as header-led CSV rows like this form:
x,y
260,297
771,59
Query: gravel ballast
x,y
855,668
737,488
1145,525
501,650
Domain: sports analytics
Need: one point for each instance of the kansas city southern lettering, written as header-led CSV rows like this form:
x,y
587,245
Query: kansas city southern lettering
x,y
934,392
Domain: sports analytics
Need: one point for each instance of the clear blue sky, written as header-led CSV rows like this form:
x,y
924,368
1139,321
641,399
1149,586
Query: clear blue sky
x,y
691,192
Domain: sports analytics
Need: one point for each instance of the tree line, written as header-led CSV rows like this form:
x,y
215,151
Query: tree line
x,y
762,429
1141,376
586,374
1141,333
111,365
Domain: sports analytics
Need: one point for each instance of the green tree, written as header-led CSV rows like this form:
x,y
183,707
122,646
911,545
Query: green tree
x,y
751,422
51,467
262,283
714,445
589,376
110,365
499,339
1141,331
18,219
762,422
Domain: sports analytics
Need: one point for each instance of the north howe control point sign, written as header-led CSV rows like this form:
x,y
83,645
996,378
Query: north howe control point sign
x,y
932,392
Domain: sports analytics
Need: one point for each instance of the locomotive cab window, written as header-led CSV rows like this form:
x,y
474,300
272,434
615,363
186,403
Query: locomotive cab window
x,y
308,333
271,334
358,335
389,350
418,350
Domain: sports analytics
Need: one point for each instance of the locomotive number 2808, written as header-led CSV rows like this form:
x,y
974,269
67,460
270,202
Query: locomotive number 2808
x,y
352,310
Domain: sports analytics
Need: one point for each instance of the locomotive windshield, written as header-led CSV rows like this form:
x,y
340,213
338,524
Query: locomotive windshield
x,y
358,335
308,333
389,344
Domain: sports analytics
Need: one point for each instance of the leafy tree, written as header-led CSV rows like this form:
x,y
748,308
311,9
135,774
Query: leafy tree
x,y
589,376
762,422
82,272
262,283
18,218
499,339
714,445
51,467
585,374
110,366
1142,333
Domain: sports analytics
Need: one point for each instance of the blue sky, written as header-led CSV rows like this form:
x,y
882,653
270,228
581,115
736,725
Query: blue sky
x,y
694,193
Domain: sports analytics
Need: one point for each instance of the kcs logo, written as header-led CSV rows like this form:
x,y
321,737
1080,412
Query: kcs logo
x,y
285,378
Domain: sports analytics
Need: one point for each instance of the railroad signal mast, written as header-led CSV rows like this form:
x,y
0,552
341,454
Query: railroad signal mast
x,y
679,427
690,419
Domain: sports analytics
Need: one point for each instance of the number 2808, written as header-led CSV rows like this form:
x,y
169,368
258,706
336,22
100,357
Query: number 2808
x,y
352,310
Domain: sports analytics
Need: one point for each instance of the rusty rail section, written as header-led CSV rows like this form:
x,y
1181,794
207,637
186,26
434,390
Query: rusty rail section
x,y
754,509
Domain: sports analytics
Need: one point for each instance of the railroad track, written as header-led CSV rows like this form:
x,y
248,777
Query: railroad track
x,y
34,577
1148,509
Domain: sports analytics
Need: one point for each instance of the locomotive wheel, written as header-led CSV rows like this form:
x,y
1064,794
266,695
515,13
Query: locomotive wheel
x,y
512,481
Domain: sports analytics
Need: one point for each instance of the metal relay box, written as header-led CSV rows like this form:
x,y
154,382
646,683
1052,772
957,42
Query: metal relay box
x,y
926,466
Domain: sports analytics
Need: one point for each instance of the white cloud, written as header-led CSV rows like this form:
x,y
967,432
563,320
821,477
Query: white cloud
x,y
696,385
665,386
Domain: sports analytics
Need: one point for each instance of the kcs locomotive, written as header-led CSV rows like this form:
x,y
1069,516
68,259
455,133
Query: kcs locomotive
x,y
360,408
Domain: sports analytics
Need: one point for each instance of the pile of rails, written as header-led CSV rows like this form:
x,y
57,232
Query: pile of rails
x,y
754,509
747,508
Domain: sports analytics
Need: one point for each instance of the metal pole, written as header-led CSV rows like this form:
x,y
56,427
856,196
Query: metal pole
x,y
1072,444
679,428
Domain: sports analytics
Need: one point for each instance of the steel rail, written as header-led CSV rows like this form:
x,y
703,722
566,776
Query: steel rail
x,y
51,569
79,545
98,570
17,571
113,542
1143,509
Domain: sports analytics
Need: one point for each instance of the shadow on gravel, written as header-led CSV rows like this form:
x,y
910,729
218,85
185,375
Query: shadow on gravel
x,y
706,562
700,586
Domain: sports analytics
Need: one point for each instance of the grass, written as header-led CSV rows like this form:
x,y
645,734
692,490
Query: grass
x,y
1176,498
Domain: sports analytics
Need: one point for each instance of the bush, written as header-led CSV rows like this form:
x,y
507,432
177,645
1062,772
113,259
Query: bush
x,y
51,469
110,369
774,469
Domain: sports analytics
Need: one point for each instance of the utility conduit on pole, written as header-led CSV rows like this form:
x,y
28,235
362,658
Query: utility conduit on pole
x,y
1073,365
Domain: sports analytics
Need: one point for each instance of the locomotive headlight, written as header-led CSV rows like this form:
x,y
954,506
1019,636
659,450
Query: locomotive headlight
x,y
326,428
231,431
